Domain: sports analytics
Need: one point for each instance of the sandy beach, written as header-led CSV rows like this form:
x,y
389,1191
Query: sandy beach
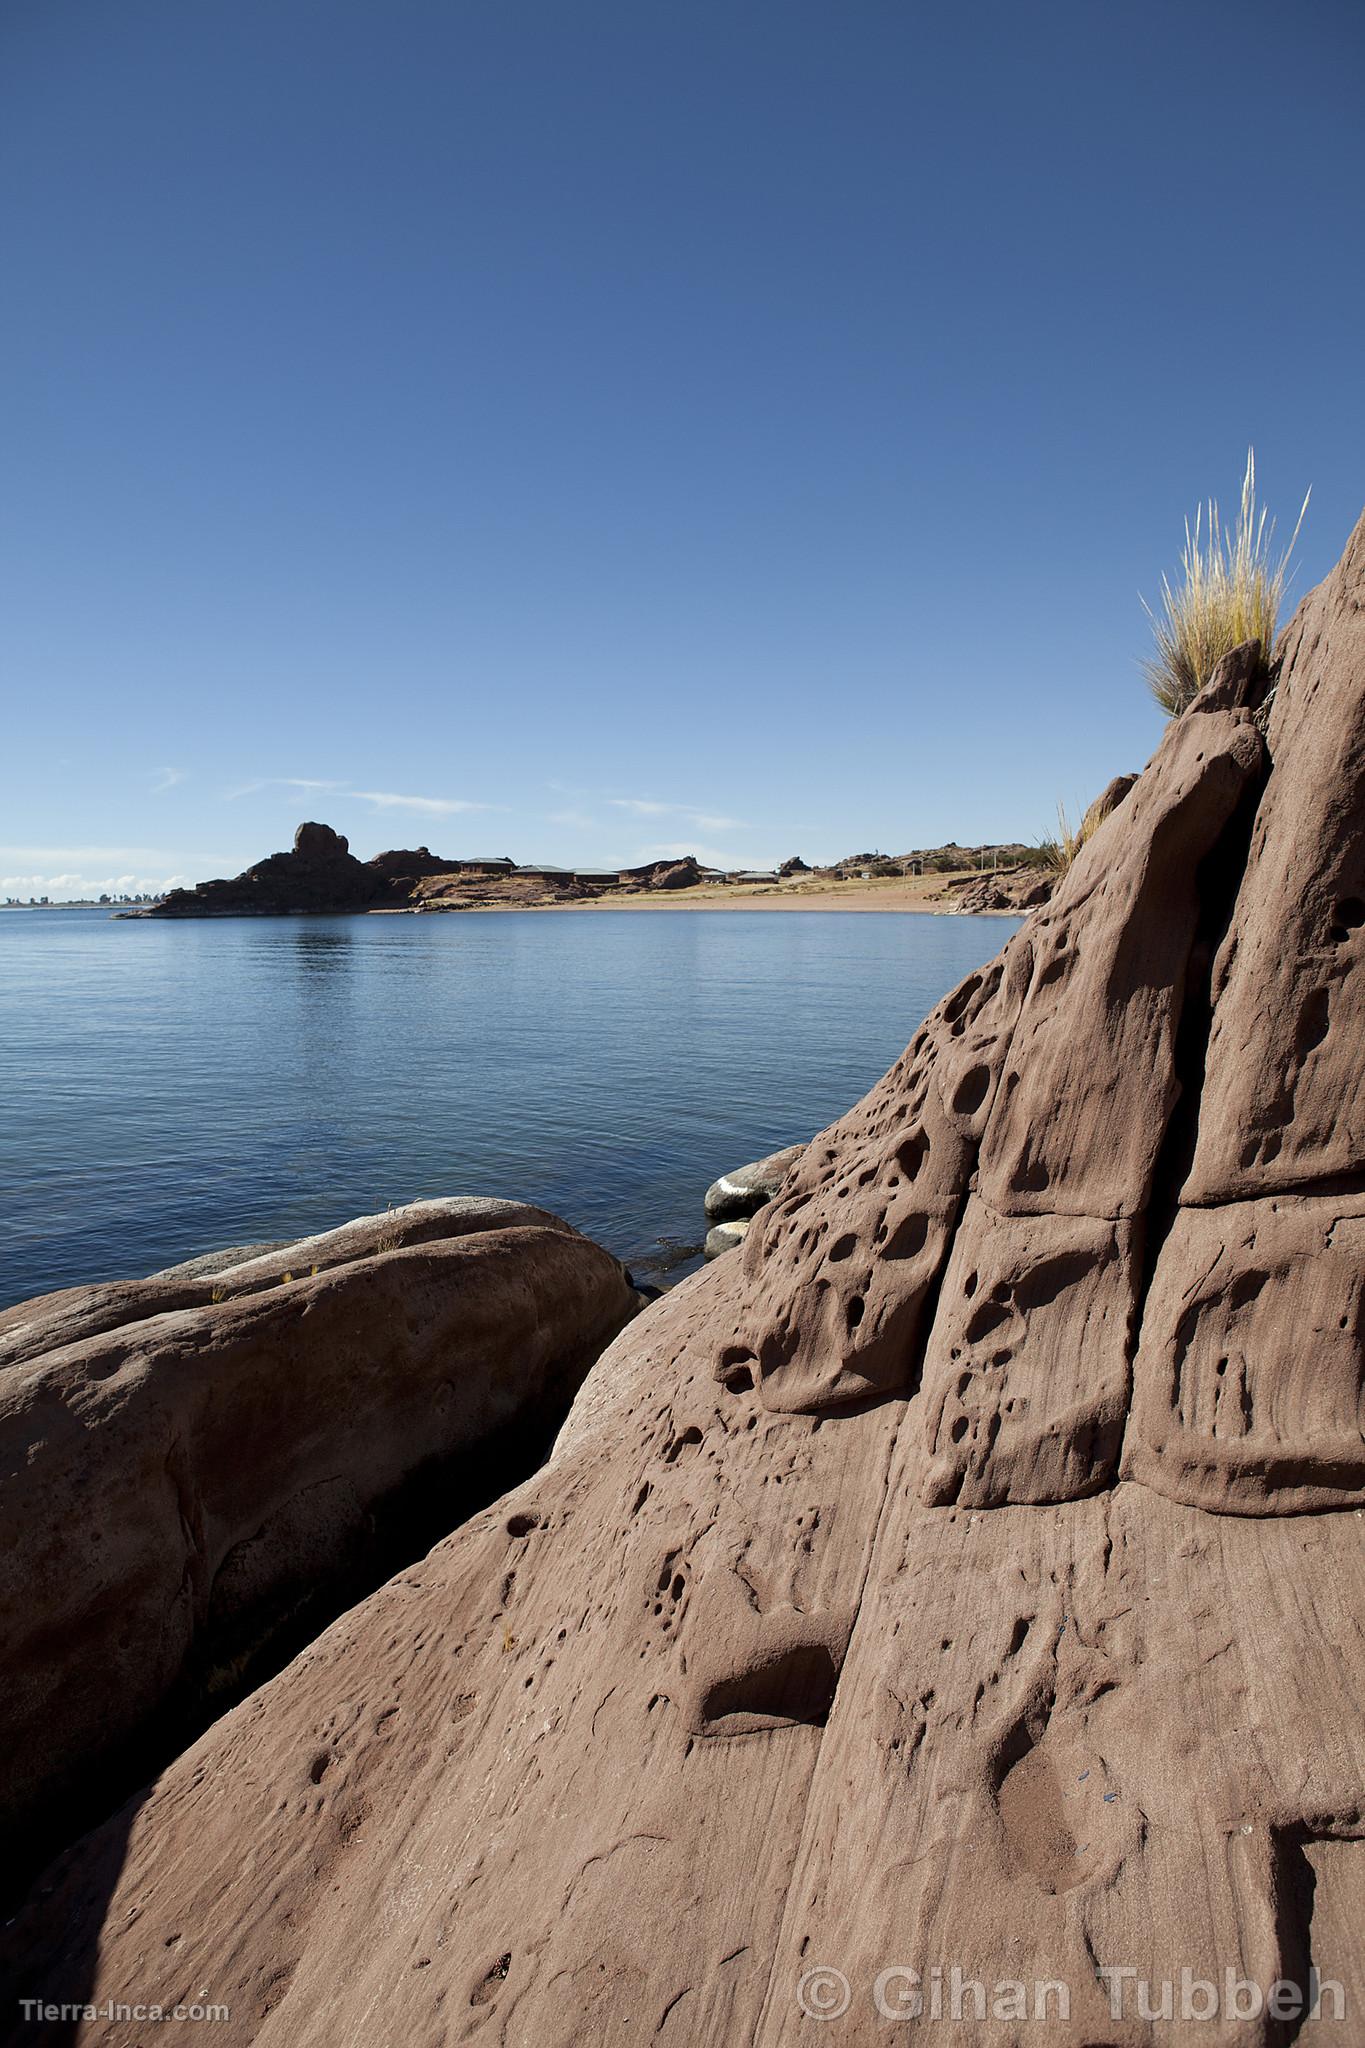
x,y
890,893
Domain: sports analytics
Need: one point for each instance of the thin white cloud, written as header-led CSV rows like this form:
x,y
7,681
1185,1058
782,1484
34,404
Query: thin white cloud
x,y
429,806
379,799
573,821
308,782
167,779
649,807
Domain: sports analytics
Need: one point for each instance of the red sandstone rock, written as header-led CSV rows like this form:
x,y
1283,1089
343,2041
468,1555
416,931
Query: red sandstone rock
x,y
184,1461
926,1586
1289,1017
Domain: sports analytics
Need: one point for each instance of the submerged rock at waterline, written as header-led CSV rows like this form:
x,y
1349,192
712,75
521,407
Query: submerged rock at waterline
x,y
725,1237
744,1189
927,1584
192,1461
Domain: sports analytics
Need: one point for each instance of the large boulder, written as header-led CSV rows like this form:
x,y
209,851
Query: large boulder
x,y
189,1460
965,1577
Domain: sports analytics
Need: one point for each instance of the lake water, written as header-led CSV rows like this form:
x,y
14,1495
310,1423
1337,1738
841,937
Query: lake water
x,y
171,1088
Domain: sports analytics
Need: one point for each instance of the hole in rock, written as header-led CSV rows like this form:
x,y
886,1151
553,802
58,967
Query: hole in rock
x,y
958,1001
911,1154
488,1988
908,1239
989,1316
1313,1021
1030,1177
797,1684
971,1090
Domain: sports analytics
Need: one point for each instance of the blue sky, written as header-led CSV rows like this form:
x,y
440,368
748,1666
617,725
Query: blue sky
x,y
588,431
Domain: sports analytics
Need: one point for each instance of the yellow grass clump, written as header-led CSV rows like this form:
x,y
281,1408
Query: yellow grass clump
x,y
1229,591
1058,854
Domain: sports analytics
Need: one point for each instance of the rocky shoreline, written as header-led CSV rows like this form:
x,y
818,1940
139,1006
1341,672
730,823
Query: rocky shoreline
x,y
320,876
968,1571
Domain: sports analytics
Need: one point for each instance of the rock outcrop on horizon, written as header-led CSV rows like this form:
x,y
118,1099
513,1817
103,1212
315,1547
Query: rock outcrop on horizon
x,y
319,873
412,863
195,1461
673,873
966,1575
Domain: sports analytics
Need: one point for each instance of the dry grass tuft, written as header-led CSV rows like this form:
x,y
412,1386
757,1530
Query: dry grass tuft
x,y
1230,591
1058,854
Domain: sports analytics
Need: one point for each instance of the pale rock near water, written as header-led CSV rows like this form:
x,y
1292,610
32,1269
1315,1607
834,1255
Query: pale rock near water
x,y
745,1189
929,1584
725,1237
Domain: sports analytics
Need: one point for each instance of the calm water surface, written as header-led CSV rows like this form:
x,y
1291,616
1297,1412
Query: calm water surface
x,y
170,1088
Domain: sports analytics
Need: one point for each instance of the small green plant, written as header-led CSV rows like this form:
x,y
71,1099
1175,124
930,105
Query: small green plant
x,y
1229,591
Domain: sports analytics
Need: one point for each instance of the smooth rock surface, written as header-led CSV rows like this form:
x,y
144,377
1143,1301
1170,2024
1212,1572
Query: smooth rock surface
x,y
186,1459
929,1586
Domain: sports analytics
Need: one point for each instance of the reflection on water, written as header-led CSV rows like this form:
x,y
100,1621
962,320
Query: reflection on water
x,y
174,1087
318,949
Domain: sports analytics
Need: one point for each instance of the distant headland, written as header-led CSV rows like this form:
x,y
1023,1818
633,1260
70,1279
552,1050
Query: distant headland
x,y
320,875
